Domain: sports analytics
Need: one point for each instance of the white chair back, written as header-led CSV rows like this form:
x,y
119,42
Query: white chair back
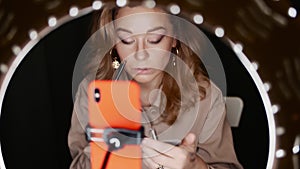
x,y
234,106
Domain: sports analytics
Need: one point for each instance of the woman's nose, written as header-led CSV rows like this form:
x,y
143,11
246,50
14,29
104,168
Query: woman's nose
x,y
141,50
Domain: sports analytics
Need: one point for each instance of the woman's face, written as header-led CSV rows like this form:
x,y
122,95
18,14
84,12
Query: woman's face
x,y
144,41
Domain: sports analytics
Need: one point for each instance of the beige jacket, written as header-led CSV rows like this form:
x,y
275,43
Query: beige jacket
x,y
206,119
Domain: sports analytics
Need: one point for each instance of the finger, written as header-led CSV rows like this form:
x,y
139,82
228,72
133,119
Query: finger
x,y
149,162
177,160
153,165
192,156
157,159
149,152
189,139
189,142
163,148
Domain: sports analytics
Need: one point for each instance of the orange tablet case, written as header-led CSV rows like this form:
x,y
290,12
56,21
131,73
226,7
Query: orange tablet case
x,y
114,124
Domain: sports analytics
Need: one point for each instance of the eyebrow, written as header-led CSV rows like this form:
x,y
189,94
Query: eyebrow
x,y
157,28
124,30
150,30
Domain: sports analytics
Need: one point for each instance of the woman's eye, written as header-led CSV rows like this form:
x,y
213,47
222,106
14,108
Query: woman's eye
x,y
127,41
155,39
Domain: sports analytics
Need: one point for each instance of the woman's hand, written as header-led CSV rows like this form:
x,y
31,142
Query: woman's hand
x,y
164,156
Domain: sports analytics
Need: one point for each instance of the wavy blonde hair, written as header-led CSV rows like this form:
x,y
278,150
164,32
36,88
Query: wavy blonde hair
x,y
170,86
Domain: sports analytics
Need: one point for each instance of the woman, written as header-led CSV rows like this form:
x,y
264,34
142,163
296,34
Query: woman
x,y
178,99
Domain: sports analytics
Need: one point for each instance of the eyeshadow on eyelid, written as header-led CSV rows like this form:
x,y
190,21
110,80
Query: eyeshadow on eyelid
x,y
155,37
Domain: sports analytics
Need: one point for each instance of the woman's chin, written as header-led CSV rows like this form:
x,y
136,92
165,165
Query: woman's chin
x,y
142,79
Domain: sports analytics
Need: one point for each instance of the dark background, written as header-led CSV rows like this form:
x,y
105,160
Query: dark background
x,y
37,108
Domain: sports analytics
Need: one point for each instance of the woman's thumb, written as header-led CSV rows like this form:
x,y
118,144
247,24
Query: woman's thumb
x,y
189,140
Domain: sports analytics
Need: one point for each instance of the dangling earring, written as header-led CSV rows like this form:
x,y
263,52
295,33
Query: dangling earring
x,y
115,64
177,52
174,60
174,57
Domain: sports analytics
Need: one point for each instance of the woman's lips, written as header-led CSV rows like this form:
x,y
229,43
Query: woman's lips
x,y
143,70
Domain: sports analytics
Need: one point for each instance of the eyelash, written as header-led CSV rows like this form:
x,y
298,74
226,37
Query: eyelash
x,y
127,43
152,42
157,41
